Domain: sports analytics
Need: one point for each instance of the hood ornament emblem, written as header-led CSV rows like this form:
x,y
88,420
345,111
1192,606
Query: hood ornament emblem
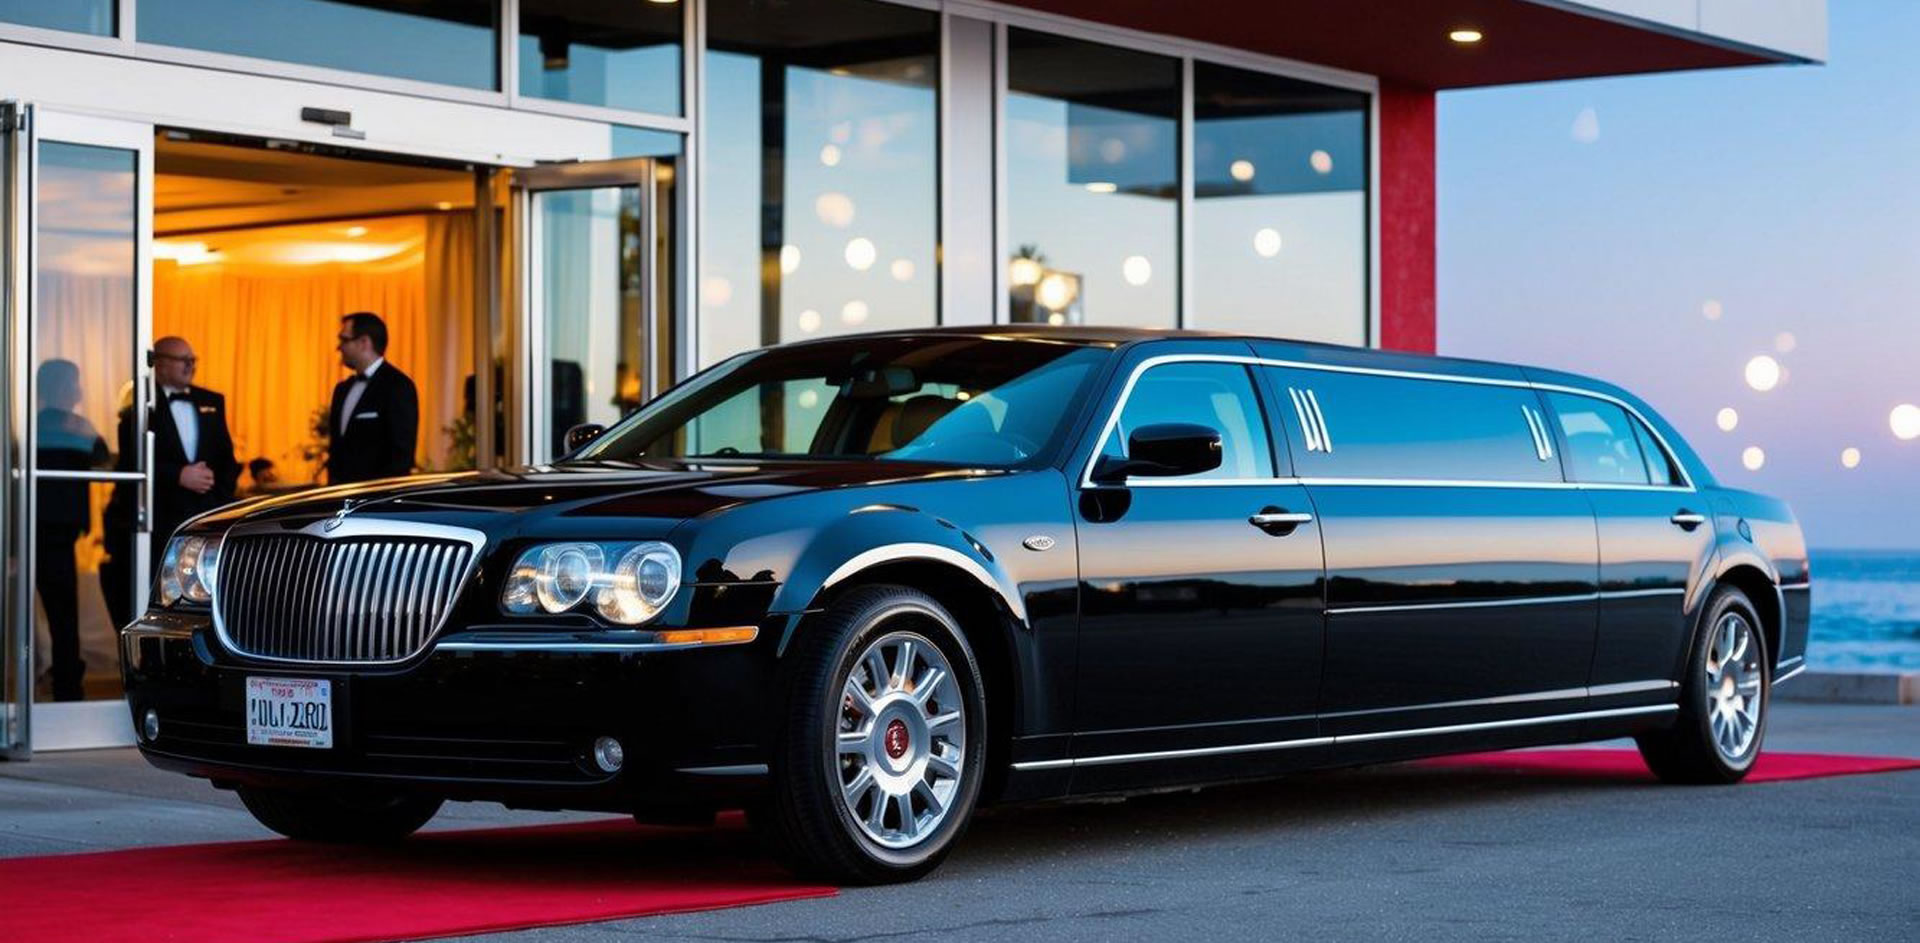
x,y
339,517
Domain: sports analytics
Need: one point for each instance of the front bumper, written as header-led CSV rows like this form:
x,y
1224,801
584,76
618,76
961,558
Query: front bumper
x,y
508,717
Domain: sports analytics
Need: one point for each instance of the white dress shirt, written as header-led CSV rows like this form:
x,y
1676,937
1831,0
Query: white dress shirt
x,y
354,393
186,421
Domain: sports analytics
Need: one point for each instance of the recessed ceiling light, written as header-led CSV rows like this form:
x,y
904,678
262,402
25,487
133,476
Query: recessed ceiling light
x,y
1465,36
1102,186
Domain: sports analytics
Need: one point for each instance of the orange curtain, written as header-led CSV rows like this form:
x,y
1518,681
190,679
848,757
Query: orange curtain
x,y
265,337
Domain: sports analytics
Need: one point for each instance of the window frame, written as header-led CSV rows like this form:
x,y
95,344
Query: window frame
x,y
1263,423
1107,414
1678,478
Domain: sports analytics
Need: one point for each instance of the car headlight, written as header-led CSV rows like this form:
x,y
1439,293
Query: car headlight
x,y
560,577
189,570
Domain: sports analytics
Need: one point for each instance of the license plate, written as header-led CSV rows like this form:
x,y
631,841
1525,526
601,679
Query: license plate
x,y
290,712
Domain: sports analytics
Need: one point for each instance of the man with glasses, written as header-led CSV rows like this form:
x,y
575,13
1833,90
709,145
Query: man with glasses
x,y
193,467
375,415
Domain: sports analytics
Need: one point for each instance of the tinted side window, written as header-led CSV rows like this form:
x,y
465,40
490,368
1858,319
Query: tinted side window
x,y
1602,444
1660,466
1407,428
1217,395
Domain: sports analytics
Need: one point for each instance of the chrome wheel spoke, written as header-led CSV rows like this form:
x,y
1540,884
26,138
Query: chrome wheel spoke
x,y
932,802
903,667
928,683
944,721
942,767
854,742
859,786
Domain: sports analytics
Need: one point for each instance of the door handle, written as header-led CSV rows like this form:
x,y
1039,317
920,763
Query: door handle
x,y
1687,520
1279,521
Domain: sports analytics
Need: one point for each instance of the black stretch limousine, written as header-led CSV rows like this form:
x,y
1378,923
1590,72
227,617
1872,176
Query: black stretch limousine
x,y
860,586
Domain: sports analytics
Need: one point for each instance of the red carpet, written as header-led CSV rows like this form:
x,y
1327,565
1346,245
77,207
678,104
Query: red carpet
x,y
1627,765
436,884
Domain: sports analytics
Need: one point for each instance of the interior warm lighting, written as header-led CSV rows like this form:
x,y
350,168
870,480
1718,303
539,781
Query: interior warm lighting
x,y
1785,342
184,253
715,291
1024,272
1711,310
901,269
1056,319
861,253
834,209
1321,162
443,205
1763,373
1241,170
1850,457
1465,36
1055,292
321,253
1727,418
355,232
789,259
1753,458
730,634
1267,242
1136,270
854,312
1905,420
830,155
664,3
809,320
1102,186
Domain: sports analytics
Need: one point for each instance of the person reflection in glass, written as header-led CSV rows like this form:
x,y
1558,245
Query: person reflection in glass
x,y
64,441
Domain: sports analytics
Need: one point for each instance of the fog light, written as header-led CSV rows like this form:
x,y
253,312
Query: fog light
x,y
150,724
608,754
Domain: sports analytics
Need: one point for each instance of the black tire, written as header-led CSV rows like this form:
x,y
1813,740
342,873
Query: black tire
x,y
805,822
342,818
1691,751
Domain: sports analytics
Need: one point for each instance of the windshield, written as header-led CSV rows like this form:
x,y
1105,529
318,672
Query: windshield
x,y
974,401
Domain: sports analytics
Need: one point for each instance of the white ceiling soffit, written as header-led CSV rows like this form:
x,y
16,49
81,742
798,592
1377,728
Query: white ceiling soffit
x,y
1795,29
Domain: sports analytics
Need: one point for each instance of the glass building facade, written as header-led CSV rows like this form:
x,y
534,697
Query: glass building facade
x,y
600,200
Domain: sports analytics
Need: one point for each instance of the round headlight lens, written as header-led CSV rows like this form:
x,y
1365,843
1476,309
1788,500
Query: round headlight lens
x,y
191,586
641,585
170,590
566,575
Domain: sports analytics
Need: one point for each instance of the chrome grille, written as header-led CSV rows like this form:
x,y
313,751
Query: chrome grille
x,y
298,597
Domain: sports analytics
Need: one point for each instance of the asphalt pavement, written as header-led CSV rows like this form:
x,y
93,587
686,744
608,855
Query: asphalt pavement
x,y
1386,853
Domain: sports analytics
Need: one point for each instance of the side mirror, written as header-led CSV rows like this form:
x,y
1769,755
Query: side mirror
x,y
1164,450
582,434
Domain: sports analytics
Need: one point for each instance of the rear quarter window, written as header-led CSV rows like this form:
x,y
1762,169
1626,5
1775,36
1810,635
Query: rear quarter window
x,y
1411,428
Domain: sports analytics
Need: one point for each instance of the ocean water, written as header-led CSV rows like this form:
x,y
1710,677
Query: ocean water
x,y
1866,611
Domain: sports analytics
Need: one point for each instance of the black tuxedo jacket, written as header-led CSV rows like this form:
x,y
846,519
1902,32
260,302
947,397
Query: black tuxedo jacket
x,y
172,504
377,440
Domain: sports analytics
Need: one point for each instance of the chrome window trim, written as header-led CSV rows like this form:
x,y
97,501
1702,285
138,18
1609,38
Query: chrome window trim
x,y
1076,762
1126,391
1630,687
1803,584
344,527
1542,443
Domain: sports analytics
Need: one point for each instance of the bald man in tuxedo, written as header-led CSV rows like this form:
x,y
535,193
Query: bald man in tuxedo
x,y
194,470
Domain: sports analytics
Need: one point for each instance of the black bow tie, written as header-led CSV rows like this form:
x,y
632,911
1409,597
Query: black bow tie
x,y
179,398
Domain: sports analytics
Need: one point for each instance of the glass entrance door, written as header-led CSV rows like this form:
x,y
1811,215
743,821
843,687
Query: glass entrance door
x,y
595,293
78,214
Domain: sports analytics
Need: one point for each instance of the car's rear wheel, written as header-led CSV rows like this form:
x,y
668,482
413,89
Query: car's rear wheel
x,y
881,747
1723,702
361,817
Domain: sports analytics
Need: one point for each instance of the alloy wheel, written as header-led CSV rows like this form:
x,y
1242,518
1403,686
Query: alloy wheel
x,y
1733,687
901,740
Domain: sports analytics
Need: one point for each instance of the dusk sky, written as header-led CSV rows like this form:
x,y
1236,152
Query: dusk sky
x,y
1595,226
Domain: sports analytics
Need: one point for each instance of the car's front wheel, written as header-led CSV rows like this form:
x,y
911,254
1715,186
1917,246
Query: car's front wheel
x,y
880,751
340,817
1723,700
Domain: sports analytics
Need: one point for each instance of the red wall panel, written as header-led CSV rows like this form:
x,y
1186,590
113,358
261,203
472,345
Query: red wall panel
x,y
1407,294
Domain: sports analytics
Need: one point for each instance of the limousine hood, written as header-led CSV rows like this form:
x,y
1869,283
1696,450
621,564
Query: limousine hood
x,y
576,498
